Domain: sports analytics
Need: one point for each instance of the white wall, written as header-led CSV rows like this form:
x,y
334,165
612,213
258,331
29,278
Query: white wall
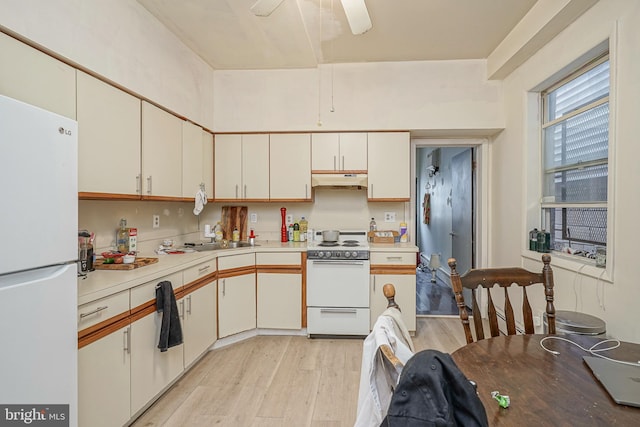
x,y
613,294
424,95
121,41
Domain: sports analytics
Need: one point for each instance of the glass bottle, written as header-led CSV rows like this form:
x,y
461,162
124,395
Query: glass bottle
x,y
303,229
372,225
122,238
296,232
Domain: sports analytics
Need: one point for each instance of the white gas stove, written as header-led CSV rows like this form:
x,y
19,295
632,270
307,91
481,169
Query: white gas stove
x,y
338,285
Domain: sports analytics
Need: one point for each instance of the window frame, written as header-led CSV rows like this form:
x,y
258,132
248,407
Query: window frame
x,y
545,122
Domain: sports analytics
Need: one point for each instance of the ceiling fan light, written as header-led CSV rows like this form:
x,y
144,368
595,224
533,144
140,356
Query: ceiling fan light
x,y
265,7
357,16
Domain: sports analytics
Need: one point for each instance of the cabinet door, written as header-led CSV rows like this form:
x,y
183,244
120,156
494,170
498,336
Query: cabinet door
x,y
192,153
31,76
103,381
353,152
236,304
388,166
199,308
325,151
228,166
207,162
161,153
108,139
151,370
279,301
290,166
405,285
255,167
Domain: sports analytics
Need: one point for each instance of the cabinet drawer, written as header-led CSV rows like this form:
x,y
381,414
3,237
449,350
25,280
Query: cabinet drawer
x,y
236,261
103,309
278,258
198,271
147,292
395,258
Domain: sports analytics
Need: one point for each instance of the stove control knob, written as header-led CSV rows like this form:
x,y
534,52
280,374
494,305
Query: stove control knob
x,y
337,254
354,254
320,254
347,254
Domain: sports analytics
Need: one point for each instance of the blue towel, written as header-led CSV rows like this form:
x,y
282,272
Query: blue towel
x,y
170,330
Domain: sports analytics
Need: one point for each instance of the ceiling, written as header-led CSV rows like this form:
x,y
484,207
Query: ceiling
x,y
307,33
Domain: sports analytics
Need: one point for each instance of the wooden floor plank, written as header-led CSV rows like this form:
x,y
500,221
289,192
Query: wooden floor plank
x,y
273,381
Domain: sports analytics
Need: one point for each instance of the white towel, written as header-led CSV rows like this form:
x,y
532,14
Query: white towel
x,y
201,200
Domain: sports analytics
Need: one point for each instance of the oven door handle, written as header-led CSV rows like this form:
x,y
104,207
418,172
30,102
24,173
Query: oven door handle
x,y
338,310
328,262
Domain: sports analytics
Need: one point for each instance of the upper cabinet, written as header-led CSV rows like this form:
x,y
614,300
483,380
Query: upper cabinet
x,y
161,154
197,160
242,167
36,78
108,140
389,166
207,163
339,152
290,167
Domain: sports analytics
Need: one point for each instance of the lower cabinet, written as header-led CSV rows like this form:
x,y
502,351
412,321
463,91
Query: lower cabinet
x,y
279,290
397,268
236,304
104,368
279,299
151,369
199,321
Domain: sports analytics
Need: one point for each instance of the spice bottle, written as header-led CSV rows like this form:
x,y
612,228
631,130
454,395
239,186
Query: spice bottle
x,y
296,232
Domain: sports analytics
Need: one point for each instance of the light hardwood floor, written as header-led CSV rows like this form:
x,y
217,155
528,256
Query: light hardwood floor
x,y
281,381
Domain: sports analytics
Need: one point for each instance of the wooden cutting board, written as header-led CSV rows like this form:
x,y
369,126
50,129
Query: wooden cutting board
x,y
139,262
234,217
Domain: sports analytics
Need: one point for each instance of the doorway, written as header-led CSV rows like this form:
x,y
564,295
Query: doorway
x,y
445,205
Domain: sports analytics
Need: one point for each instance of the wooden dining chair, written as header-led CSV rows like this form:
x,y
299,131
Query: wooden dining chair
x,y
487,278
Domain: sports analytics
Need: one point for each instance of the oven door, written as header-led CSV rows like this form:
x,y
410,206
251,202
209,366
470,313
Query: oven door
x,y
338,283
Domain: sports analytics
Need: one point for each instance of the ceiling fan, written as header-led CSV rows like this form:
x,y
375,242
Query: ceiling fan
x,y
356,11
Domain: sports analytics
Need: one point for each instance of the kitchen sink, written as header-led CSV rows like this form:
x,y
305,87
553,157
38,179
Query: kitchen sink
x,y
200,247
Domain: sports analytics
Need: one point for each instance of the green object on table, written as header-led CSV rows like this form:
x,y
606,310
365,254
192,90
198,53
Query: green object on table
x,y
503,401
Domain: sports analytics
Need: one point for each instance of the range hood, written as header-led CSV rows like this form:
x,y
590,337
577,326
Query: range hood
x,y
339,180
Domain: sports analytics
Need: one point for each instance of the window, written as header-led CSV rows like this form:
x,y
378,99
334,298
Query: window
x,y
575,135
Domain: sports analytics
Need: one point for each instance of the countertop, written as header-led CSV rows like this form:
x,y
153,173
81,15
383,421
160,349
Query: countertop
x,y
102,283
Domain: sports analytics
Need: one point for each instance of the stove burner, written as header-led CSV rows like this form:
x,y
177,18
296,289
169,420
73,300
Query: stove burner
x,y
350,243
328,244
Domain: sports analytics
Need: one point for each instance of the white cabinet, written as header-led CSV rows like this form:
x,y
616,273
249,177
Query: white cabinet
x,y
103,380
151,370
36,78
108,139
242,167
207,163
397,268
199,326
290,167
279,290
198,304
389,166
192,155
236,294
161,153
339,152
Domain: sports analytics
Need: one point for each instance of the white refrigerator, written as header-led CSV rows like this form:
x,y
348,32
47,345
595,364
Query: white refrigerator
x,y
38,264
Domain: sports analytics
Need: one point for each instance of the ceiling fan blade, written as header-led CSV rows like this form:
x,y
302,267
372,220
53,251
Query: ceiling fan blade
x,y
265,7
357,16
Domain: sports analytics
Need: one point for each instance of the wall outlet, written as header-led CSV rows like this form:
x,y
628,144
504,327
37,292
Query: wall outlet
x,y
537,321
156,221
253,217
289,219
389,217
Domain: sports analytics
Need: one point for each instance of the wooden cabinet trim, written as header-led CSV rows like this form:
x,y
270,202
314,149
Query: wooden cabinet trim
x,y
240,271
285,269
392,269
339,171
104,324
85,338
197,284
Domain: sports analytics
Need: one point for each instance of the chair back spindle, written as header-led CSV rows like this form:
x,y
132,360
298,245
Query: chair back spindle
x,y
505,278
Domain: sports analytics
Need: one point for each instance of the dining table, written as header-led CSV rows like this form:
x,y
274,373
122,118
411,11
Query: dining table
x,y
544,389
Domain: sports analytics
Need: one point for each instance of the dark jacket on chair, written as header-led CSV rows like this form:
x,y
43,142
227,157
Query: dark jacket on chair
x,y
170,330
432,391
